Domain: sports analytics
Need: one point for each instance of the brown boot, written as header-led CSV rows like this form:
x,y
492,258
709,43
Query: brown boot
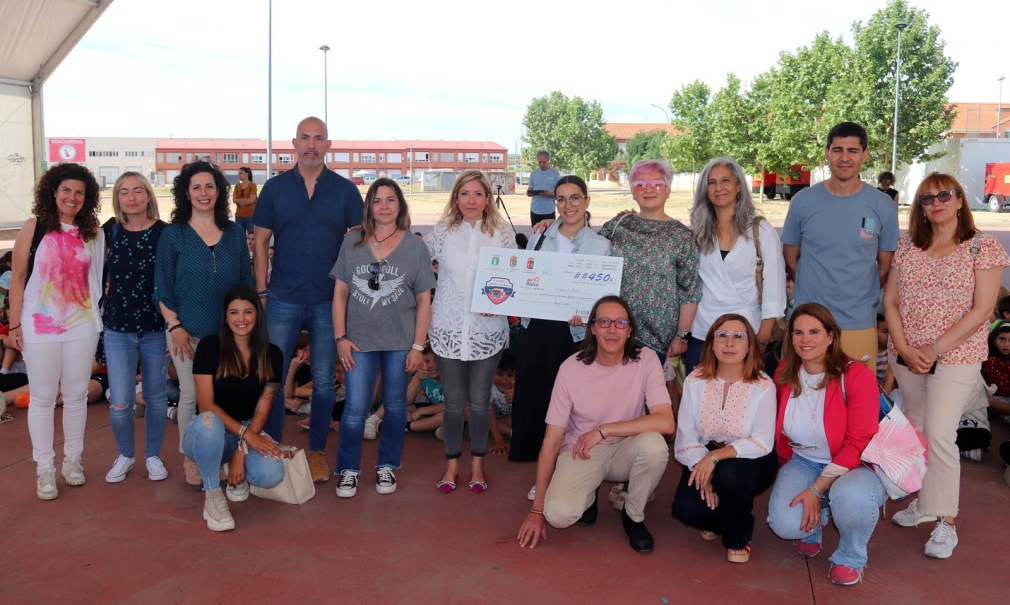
x,y
318,468
192,475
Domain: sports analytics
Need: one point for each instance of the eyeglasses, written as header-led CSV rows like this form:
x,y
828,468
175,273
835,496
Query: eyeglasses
x,y
943,196
605,322
374,269
574,200
723,335
657,184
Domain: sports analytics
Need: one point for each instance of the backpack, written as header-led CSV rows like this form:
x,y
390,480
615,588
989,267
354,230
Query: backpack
x,y
39,233
898,454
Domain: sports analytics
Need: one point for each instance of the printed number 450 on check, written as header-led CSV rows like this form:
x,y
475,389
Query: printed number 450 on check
x,y
594,276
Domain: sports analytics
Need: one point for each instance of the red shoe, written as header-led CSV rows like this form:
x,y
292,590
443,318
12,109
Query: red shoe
x,y
845,576
807,550
478,486
447,486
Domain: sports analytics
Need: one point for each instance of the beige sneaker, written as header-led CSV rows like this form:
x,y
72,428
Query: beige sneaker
x,y
318,468
215,511
191,474
73,471
45,487
910,517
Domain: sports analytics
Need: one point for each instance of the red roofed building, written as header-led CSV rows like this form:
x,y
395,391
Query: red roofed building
x,y
382,158
623,131
978,120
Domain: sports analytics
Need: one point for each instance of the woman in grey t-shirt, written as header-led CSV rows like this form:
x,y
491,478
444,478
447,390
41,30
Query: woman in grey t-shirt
x,y
381,311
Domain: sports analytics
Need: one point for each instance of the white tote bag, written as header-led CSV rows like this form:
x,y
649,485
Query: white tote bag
x,y
297,486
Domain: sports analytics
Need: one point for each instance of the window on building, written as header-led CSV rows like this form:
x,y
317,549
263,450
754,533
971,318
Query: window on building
x,y
173,158
258,158
147,154
189,158
471,158
382,158
445,158
132,154
368,158
161,158
229,158
483,158
420,156
459,157
496,158
245,158
341,156
395,158
355,157
104,154
286,158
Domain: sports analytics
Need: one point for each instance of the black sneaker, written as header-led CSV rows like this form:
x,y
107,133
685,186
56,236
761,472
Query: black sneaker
x,y
640,538
589,517
385,481
348,485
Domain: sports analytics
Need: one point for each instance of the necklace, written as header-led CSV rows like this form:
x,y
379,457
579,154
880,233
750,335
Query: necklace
x,y
378,242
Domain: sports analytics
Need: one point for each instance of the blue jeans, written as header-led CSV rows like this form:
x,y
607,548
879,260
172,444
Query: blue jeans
x,y
360,386
854,501
245,222
121,352
285,322
210,445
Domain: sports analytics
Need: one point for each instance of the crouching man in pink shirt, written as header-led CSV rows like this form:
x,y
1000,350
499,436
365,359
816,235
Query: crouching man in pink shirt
x,y
597,430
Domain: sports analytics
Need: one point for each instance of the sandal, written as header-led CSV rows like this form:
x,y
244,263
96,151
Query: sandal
x,y
738,555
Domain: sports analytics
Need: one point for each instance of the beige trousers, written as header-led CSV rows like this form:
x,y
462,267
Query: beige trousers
x,y
933,403
861,345
640,460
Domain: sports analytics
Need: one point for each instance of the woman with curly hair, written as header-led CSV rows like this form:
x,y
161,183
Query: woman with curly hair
x,y
201,255
56,284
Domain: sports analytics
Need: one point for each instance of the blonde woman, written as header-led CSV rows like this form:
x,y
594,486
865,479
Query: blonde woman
x,y
467,345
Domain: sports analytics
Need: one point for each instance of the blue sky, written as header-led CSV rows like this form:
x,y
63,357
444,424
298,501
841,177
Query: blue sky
x,y
442,69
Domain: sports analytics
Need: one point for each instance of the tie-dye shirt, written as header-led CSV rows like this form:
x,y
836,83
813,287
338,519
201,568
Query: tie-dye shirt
x,y
61,297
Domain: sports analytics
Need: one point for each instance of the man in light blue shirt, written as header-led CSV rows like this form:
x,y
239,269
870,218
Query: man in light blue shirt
x,y
541,189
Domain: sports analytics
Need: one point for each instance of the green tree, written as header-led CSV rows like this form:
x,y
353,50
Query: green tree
x,y
645,145
691,116
924,112
571,130
736,128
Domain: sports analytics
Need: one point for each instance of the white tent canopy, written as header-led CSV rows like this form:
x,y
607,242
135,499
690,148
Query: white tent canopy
x,y
35,37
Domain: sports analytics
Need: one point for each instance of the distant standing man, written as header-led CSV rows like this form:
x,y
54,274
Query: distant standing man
x,y
541,188
847,231
244,196
306,211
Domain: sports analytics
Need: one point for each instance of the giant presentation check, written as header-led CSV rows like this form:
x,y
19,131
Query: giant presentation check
x,y
543,285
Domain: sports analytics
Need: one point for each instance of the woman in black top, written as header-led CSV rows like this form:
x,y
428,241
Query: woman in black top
x,y
237,374
133,324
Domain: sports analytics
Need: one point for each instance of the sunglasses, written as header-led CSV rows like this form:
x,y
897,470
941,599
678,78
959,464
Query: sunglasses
x,y
943,196
374,269
574,200
605,322
657,184
723,335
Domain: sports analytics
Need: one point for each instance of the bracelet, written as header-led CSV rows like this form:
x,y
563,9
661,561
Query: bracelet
x,y
762,342
172,322
713,458
936,348
263,293
536,512
600,429
175,327
339,339
14,328
417,347
241,432
816,492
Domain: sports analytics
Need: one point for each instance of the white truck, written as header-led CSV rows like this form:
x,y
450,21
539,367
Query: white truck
x,y
966,160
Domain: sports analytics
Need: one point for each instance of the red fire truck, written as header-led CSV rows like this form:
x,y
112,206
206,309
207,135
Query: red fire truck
x,y
997,186
787,185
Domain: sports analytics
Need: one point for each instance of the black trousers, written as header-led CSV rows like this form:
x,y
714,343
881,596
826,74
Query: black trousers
x,y
737,481
973,439
536,218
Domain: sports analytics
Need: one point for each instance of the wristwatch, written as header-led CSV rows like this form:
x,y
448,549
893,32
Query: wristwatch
x,y
683,336
417,347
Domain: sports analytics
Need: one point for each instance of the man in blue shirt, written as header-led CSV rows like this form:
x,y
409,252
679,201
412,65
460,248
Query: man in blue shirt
x,y
838,240
306,211
541,189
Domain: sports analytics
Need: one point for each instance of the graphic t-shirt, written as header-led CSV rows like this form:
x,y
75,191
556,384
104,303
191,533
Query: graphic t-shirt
x,y
382,319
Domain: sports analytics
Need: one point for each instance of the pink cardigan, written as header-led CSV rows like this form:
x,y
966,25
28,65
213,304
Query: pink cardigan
x,y
848,427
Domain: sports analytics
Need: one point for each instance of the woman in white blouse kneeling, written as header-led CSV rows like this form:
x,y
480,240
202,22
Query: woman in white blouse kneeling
x,y
725,435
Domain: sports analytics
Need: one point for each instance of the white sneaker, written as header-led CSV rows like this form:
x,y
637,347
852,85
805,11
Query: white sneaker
x,y
385,480
372,427
156,470
348,485
120,467
975,454
910,517
239,493
215,511
73,471
942,541
46,486
440,434
532,494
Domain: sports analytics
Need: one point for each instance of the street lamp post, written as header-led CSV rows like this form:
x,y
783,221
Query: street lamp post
x,y
666,115
999,108
270,88
326,102
901,25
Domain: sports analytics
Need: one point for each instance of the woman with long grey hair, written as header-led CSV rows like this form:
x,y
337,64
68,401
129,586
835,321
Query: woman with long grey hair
x,y
741,267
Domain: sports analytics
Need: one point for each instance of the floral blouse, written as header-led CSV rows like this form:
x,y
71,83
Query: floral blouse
x,y
660,273
456,332
934,294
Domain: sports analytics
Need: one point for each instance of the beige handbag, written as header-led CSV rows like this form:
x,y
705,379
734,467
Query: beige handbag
x,y
297,486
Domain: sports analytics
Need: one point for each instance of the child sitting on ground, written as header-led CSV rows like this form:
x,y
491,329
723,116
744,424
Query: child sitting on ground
x,y
997,369
503,390
423,415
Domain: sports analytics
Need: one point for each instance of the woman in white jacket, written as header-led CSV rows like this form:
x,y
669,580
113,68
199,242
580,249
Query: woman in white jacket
x,y
742,269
